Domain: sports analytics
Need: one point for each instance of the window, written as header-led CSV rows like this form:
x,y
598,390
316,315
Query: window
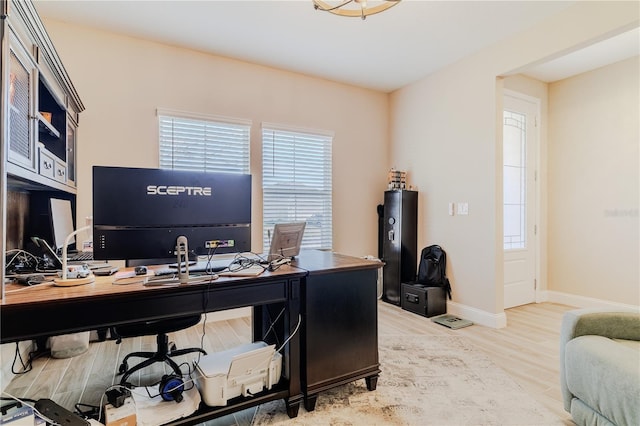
x,y
296,182
514,176
203,143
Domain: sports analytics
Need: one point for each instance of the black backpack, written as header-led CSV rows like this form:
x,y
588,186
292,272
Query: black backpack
x,y
432,269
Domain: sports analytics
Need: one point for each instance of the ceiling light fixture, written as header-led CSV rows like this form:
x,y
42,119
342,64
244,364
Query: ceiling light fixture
x,y
354,8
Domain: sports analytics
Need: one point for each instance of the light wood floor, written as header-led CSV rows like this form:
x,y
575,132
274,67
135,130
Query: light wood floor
x,y
527,349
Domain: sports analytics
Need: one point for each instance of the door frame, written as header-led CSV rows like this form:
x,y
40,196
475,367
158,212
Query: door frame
x,y
537,267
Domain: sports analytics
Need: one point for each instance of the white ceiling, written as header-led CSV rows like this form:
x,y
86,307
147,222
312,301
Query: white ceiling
x,y
614,49
383,52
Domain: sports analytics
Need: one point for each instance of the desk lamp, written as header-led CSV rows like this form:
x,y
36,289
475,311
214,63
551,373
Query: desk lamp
x,y
65,281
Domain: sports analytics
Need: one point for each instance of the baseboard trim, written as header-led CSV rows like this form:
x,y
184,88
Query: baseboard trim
x,y
499,320
583,301
478,316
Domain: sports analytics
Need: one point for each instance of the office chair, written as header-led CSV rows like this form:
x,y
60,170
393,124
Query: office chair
x,y
163,353
160,328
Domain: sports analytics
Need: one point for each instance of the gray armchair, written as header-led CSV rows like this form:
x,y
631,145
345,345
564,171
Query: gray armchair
x,y
600,366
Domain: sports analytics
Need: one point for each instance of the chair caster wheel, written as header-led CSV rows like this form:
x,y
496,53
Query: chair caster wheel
x,y
172,347
123,368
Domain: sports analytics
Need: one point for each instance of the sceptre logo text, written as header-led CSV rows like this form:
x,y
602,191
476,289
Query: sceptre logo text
x,y
178,190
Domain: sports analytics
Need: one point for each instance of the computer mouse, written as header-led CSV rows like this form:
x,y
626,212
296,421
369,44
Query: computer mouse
x,y
31,279
141,270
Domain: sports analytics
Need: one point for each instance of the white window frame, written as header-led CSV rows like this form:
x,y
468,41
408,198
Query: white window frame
x,y
297,182
212,143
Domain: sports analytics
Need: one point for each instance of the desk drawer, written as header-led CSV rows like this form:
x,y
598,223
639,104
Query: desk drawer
x,y
46,163
61,171
79,314
250,295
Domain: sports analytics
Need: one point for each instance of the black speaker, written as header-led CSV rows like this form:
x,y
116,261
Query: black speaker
x,y
171,388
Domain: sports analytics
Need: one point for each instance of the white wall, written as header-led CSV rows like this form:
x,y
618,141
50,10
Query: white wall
x,y
594,184
443,129
444,133
122,80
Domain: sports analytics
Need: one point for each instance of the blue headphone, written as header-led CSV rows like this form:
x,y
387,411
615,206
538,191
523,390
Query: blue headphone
x,y
171,388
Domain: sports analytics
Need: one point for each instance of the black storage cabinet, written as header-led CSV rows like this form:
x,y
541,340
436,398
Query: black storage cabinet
x,y
399,242
339,336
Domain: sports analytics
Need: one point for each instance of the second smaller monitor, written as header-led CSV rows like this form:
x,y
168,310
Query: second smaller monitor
x,y
286,240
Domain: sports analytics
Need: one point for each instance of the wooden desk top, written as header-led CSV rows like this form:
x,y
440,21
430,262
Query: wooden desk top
x,y
16,294
30,311
324,262
309,261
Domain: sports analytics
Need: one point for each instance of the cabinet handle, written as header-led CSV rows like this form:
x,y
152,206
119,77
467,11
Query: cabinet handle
x,y
48,165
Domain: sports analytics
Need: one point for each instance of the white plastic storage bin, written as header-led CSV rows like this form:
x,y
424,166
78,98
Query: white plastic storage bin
x,y
69,345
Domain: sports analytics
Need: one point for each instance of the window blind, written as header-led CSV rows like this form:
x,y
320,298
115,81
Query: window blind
x,y
296,183
200,143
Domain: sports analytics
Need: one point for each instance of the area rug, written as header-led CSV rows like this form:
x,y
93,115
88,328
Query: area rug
x,y
425,380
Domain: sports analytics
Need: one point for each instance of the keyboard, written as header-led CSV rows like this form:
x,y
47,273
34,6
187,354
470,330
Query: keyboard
x,y
200,266
79,256
213,265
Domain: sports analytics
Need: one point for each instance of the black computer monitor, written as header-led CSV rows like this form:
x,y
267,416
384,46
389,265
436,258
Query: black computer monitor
x,y
140,213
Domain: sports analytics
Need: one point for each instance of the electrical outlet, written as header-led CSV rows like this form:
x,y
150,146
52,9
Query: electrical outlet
x,y
463,208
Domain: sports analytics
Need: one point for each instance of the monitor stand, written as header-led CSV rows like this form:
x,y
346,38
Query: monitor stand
x,y
182,258
183,277
182,254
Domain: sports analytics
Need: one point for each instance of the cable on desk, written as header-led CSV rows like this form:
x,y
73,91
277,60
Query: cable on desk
x,y
20,254
273,323
212,251
33,355
292,334
242,261
13,398
44,284
205,298
92,413
27,261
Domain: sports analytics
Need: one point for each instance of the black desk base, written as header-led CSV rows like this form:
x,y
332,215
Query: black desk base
x,y
329,320
340,329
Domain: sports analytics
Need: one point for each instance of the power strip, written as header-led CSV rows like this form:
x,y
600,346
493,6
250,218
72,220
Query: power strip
x,y
58,414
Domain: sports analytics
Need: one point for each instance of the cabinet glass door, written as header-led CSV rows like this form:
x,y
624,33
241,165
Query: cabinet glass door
x,y
71,152
21,147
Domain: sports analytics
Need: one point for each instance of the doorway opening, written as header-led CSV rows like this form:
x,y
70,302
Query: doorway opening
x,y
520,198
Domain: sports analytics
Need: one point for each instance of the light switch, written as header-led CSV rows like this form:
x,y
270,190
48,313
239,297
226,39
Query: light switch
x,y
451,209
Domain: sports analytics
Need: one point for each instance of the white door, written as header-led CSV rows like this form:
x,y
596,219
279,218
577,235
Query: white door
x,y
520,140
